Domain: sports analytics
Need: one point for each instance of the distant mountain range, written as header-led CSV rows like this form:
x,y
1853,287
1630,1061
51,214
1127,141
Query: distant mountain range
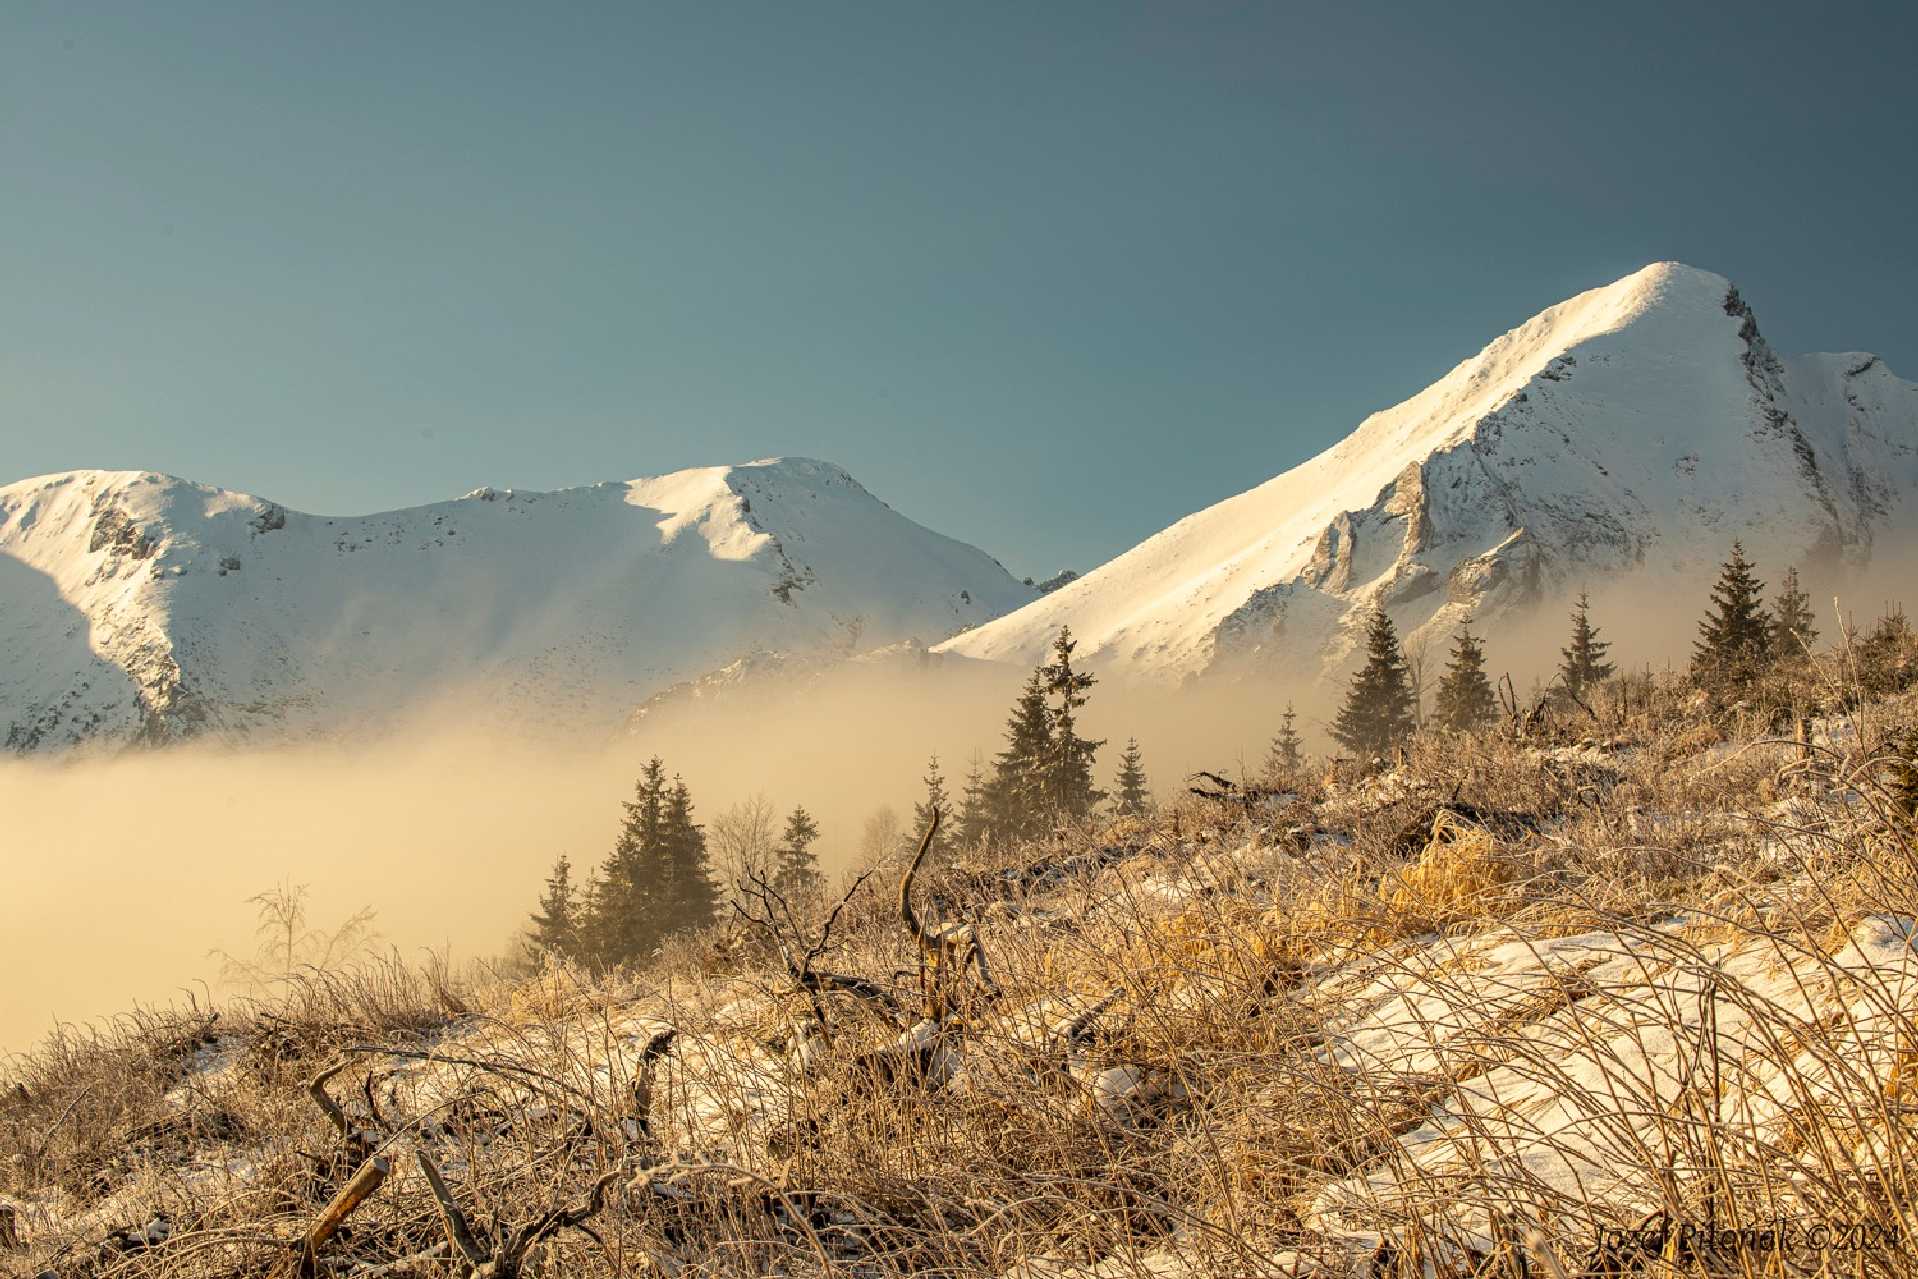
x,y
1638,428
1635,429
140,608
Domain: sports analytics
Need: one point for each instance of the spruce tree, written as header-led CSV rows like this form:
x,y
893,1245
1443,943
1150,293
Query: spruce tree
x,y
1017,793
1465,698
622,921
1069,788
795,869
1287,748
1734,639
1378,707
973,825
688,897
556,924
1888,655
1584,665
656,881
1792,630
1131,798
935,802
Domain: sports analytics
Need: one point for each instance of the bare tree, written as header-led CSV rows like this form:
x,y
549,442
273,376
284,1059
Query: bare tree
x,y
284,942
1417,655
742,839
881,837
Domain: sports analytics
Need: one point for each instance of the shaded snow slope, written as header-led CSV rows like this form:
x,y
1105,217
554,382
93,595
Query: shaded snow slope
x,y
139,607
1639,426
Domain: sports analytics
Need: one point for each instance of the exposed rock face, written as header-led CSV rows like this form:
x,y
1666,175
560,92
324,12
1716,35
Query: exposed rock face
x,y
1635,429
138,608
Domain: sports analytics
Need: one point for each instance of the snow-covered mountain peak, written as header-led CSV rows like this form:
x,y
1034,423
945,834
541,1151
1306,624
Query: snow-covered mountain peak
x,y
135,605
1643,424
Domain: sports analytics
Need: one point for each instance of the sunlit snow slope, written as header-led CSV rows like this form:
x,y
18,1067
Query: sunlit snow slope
x,y
139,607
1641,426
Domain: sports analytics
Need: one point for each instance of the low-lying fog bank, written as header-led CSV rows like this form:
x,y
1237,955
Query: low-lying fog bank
x,y
123,873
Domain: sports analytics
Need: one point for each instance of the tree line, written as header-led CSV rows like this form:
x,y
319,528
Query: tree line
x,y
1740,640
659,880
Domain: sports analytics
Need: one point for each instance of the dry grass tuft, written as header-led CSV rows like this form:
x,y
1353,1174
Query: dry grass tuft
x,y
1462,874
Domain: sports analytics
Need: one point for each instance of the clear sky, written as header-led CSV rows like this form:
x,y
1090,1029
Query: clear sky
x,y
1046,276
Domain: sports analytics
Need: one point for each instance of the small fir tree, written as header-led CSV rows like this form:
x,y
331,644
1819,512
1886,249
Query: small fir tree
x,y
1792,630
796,869
1378,707
689,899
973,825
1287,752
622,916
556,924
655,882
1583,665
1069,789
1018,791
1734,639
1465,698
1131,798
934,802
1887,657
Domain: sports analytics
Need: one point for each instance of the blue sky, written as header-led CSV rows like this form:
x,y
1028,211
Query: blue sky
x,y
1045,276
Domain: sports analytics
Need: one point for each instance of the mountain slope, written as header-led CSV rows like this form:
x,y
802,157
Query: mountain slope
x,y
1643,425
139,607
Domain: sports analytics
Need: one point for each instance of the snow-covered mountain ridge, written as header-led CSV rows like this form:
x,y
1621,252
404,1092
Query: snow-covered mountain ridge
x,y
1637,427
139,607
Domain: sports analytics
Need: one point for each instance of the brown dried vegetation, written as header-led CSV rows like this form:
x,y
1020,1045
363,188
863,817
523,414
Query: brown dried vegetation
x,y
1159,1045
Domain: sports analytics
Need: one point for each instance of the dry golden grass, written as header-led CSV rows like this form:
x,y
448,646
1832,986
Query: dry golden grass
x,y
1201,1118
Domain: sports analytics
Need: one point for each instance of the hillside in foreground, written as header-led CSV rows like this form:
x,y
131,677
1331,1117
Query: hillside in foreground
x,y
1553,1001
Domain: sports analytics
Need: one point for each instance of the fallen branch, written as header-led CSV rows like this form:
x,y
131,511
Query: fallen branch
x,y
458,1232
505,1261
304,1264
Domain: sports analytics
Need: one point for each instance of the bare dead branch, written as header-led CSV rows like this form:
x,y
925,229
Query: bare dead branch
x,y
906,912
1073,1034
316,1088
492,1067
359,1188
771,906
656,1047
551,1223
458,1232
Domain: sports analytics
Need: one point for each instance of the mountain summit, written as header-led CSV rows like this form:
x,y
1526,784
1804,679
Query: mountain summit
x,y
1639,426
139,607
